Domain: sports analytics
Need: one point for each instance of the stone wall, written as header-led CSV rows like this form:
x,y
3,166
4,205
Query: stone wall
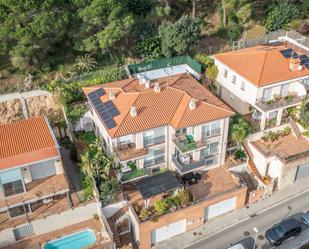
x,y
11,108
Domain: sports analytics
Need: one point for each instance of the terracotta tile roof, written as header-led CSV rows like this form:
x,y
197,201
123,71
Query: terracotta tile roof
x,y
169,106
26,141
262,65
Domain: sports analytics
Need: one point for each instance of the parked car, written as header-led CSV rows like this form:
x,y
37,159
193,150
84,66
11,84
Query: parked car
x,y
282,231
306,218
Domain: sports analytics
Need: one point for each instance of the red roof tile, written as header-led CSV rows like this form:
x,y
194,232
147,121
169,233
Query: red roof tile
x,y
26,141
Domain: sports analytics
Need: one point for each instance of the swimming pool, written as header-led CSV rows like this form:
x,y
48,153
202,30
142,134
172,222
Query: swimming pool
x,y
78,240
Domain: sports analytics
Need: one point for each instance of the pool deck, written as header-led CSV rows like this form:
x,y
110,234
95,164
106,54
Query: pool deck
x,y
93,224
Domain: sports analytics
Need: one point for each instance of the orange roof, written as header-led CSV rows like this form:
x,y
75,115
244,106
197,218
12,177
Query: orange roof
x,y
262,65
26,141
169,106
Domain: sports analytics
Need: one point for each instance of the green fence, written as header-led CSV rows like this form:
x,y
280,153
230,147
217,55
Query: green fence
x,y
162,63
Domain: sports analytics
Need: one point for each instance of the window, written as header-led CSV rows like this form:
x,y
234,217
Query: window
x,y
124,139
285,89
243,85
225,73
11,182
305,82
232,96
17,211
155,136
155,157
210,150
211,129
234,79
267,94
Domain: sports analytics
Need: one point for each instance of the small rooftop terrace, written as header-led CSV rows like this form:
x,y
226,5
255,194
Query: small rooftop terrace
x,y
287,148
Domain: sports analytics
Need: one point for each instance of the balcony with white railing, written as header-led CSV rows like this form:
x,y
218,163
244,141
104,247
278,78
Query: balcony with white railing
x,y
129,151
185,167
186,143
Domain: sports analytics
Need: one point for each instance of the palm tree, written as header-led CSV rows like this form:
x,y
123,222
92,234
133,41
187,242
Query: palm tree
x,y
240,130
85,63
95,163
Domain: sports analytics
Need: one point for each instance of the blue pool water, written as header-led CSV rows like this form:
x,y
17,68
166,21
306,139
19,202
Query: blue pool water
x,y
78,240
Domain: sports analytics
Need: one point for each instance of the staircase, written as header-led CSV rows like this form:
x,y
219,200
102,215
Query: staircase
x,y
294,128
112,223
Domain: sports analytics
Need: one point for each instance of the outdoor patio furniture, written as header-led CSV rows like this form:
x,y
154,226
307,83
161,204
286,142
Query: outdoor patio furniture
x,y
198,176
190,139
187,177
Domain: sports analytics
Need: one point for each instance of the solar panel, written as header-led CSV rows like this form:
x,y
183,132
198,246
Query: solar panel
x,y
289,53
100,92
110,124
304,59
114,112
92,95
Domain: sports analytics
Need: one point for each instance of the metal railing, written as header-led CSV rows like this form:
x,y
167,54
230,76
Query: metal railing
x,y
163,63
274,104
154,140
184,168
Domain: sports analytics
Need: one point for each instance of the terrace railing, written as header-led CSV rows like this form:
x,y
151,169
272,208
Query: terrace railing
x,y
163,63
184,168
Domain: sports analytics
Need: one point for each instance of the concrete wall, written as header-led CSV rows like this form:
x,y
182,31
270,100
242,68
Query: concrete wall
x,y
109,210
287,177
54,222
194,215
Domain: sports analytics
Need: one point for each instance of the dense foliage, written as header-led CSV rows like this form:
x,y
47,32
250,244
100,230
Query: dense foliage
x,y
239,129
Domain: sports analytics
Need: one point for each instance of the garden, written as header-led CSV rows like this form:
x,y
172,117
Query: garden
x,y
165,205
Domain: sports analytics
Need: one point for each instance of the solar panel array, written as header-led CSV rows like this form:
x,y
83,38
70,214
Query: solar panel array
x,y
304,60
107,111
290,53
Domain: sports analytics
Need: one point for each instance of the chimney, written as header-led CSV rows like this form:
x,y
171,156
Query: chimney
x,y
157,88
111,95
147,84
133,111
192,104
295,65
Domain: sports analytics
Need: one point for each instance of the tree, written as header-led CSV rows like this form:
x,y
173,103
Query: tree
x,y
208,65
240,129
304,115
177,38
85,63
95,163
101,25
109,190
280,15
31,30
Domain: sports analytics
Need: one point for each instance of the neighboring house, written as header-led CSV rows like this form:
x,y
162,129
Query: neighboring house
x,y
35,197
283,160
173,122
170,123
264,81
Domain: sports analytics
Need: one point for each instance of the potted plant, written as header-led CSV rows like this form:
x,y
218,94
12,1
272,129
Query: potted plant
x,y
132,165
144,214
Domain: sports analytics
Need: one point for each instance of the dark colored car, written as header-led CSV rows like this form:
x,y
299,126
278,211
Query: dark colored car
x,y
282,231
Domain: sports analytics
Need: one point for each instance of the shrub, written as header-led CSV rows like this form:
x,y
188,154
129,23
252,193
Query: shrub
x,y
132,165
109,190
185,197
87,186
75,113
160,206
144,214
176,200
286,131
239,154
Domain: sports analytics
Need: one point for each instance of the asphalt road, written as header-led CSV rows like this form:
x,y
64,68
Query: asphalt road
x,y
244,231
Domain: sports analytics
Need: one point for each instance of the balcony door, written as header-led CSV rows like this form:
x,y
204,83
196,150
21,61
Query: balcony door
x,y
267,94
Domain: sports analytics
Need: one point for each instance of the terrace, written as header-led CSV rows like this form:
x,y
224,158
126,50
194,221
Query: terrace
x,y
128,151
193,165
288,148
211,184
45,187
279,102
39,240
186,143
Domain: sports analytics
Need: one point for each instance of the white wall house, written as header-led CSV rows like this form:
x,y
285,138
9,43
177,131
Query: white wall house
x,y
150,147
261,82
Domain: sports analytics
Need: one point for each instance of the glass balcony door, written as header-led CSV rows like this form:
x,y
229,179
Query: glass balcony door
x,y
11,182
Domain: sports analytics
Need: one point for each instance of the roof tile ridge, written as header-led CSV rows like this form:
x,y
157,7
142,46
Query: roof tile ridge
x,y
125,116
262,70
183,113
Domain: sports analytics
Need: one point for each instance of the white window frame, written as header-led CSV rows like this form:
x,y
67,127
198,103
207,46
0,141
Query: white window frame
x,y
234,79
243,86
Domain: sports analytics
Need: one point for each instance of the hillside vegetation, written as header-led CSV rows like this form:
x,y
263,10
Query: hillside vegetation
x,y
45,40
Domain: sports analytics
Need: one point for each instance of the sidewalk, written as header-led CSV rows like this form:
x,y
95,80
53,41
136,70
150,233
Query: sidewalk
x,y
230,219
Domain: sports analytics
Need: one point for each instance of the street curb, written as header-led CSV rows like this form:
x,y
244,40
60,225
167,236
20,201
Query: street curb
x,y
249,217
